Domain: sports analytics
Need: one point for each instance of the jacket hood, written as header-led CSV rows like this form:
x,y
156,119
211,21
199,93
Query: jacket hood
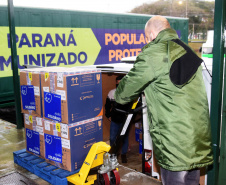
x,y
163,36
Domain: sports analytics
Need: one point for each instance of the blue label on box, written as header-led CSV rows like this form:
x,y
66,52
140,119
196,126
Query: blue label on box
x,y
52,106
53,148
84,94
28,97
82,137
137,133
140,146
33,141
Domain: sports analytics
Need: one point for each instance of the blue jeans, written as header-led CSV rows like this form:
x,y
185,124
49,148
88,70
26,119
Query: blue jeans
x,y
114,129
190,177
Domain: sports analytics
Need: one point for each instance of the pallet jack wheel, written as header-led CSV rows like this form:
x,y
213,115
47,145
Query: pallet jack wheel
x,y
114,177
103,179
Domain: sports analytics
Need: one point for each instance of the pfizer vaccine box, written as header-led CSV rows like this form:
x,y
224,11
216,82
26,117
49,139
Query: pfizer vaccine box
x,y
34,134
72,95
30,83
67,145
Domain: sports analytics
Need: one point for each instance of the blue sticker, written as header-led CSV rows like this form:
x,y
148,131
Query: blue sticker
x,y
52,106
28,97
137,133
53,148
82,137
84,91
140,146
33,141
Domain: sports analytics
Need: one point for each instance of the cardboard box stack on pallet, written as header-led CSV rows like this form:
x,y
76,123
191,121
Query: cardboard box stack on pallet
x,y
62,113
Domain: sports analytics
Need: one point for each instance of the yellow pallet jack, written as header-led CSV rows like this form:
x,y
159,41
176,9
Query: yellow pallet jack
x,y
101,163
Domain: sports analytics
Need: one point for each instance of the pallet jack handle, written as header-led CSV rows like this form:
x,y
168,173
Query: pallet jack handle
x,y
93,159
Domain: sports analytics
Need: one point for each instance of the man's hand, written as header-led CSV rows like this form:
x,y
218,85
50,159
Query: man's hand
x,y
109,119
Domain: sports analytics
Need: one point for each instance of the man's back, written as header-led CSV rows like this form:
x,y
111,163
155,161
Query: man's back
x,y
179,115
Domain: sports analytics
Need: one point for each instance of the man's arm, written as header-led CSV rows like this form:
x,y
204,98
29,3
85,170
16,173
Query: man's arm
x,y
135,81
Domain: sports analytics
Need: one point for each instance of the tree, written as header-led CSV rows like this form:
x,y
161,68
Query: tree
x,y
199,12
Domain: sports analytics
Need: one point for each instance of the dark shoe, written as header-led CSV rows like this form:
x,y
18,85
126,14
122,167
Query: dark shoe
x,y
124,158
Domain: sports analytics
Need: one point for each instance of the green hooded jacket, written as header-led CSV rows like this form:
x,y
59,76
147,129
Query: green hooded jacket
x,y
170,75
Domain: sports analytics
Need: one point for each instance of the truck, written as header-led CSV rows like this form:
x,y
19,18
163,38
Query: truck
x,y
48,37
207,49
207,64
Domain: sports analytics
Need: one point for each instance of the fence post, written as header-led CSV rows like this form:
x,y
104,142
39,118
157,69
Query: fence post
x,y
16,81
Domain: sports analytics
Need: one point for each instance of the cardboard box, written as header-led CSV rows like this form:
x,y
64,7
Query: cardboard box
x,y
30,92
34,130
71,95
67,145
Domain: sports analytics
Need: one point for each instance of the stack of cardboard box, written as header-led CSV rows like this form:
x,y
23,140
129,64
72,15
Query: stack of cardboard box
x,y
63,113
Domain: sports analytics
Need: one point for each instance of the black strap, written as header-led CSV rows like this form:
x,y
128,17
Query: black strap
x,y
185,67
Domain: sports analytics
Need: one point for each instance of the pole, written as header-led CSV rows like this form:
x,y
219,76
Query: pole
x,y
16,81
222,163
171,7
186,9
193,30
216,90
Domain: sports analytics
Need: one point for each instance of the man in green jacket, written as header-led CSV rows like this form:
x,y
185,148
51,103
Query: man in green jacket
x,y
170,75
